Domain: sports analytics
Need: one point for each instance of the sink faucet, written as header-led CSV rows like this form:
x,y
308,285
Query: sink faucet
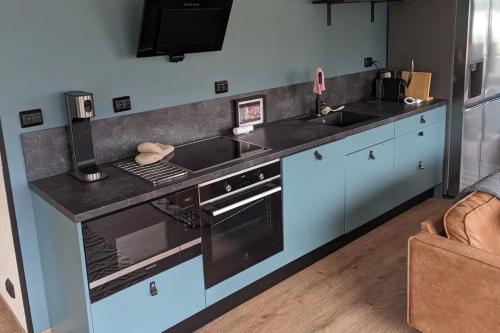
x,y
319,87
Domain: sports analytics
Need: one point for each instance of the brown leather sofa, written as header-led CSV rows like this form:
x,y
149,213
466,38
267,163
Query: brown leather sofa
x,y
452,286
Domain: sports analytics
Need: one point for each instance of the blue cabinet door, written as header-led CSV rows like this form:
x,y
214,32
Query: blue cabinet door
x,y
313,198
418,161
369,184
181,293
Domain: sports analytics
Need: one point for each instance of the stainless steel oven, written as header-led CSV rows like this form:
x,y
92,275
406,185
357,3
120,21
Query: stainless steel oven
x,y
241,217
127,247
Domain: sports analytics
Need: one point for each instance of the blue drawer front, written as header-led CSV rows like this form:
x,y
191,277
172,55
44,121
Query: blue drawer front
x,y
369,138
369,186
420,120
428,138
418,164
181,293
418,143
313,199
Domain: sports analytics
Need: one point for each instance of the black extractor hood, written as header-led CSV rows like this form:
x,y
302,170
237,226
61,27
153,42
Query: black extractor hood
x,y
176,27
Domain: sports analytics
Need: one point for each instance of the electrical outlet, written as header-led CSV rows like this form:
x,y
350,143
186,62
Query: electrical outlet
x,y
221,87
121,104
31,118
369,62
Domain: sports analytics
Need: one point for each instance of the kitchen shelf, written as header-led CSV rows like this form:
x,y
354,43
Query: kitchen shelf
x,y
329,4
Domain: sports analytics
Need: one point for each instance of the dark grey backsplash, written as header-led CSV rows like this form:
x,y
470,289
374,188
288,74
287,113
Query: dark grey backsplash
x,y
47,153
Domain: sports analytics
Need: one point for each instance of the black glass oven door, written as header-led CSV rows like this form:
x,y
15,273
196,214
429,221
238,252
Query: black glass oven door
x,y
126,247
241,231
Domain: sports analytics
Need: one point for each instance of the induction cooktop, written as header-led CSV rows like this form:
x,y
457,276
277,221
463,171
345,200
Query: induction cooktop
x,y
204,154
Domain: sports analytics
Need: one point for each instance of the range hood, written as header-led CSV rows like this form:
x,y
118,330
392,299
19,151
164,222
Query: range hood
x,y
176,27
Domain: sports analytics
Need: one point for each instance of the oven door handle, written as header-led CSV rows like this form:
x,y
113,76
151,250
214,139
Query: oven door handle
x,y
246,201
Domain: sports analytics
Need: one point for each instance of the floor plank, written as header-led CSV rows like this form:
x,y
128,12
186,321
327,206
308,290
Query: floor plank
x,y
7,323
360,288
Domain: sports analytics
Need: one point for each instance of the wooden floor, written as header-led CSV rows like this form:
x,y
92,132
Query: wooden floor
x,y
7,323
360,288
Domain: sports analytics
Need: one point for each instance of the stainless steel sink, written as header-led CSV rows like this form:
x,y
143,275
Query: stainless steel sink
x,y
342,119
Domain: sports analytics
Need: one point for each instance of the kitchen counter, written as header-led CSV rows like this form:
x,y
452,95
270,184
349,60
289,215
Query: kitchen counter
x,y
80,202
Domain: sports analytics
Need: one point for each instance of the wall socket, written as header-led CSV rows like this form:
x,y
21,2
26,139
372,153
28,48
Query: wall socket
x,y
221,87
369,62
31,118
121,104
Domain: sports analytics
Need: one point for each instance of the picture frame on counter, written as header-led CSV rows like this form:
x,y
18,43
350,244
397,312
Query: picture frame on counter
x,y
250,111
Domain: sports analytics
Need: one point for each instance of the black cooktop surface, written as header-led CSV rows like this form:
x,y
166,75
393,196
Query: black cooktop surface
x,y
204,154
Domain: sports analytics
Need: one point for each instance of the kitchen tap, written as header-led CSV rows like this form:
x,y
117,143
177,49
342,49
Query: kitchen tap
x,y
319,87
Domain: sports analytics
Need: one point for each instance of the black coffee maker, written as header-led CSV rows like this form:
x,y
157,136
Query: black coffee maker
x,y
80,107
390,86
378,84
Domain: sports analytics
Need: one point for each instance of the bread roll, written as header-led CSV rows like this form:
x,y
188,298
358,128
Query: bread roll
x,y
148,158
149,147
167,149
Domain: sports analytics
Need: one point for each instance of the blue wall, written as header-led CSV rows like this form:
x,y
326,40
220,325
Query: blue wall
x,y
51,46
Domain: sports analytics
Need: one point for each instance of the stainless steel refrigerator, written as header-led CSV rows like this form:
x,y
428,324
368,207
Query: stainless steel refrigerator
x,y
459,42
481,126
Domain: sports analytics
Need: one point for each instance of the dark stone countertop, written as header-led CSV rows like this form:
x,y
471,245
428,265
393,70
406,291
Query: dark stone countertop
x,y
80,202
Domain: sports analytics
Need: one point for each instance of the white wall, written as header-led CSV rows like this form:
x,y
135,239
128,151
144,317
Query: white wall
x,y
8,262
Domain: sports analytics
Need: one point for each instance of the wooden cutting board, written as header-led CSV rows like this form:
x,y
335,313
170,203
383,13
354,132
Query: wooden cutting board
x,y
420,86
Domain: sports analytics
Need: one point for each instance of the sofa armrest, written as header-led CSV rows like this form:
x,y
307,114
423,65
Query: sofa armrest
x,y
434,225
452,287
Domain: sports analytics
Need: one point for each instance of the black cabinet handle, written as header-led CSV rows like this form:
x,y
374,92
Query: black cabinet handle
x,y
421,165
422,120
371,156
421,133
152,289
318,156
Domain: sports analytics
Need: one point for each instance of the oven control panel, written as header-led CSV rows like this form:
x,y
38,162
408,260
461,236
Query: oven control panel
x,y
240,181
